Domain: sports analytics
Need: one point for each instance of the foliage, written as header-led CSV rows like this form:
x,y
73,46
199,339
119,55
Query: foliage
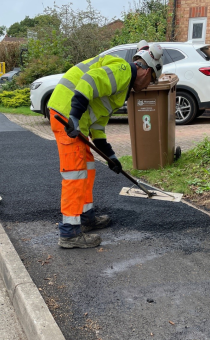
x,y
63,37
147,21
10,85
40,67
21,29
2,30
10,54
86,32
189,175
15,98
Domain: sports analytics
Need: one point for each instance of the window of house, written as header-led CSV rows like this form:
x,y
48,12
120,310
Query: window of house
x,y
197,29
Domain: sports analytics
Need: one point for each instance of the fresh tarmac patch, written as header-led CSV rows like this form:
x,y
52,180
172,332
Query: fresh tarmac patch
x,y
152,251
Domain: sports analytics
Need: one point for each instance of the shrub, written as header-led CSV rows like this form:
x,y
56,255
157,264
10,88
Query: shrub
x,y
10,54
15,98
10,85
42,67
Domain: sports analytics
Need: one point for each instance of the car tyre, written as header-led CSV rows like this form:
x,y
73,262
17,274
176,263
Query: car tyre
x,y
46,110
186,108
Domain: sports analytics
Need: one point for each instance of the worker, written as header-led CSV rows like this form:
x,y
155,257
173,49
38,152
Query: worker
x,y
86,96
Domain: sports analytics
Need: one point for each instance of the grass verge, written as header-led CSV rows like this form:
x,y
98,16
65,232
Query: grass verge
x,y
189,175
24,110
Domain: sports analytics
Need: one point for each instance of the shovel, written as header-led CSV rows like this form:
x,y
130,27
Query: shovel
x,y
135,182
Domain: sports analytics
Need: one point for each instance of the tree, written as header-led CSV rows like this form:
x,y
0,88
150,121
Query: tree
x,y
2,30
62,37
85,31
147,21
19,29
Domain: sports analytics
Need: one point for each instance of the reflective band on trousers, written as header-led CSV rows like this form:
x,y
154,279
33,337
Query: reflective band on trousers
x,y
90,165
81,174
87,207
74,220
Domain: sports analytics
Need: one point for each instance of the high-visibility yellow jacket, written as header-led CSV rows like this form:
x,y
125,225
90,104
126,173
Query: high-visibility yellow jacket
x,y
103,83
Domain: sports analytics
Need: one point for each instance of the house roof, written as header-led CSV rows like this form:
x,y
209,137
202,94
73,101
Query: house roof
x,y
13,39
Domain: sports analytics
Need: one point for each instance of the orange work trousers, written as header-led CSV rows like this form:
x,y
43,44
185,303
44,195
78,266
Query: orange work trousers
x,y
77,169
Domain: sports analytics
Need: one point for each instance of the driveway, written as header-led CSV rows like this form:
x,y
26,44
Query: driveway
x,y
118,131
149,279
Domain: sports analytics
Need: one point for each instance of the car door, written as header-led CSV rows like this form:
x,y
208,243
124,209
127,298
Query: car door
x,y
169,65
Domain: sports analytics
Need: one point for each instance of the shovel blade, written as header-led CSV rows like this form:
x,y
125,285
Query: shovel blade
x,y
159,195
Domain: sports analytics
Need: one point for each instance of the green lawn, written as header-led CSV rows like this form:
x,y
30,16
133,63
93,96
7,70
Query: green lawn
x,y
189,175
24,110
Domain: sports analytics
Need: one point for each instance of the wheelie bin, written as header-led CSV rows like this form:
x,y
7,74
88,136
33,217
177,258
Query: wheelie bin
x,y
151,116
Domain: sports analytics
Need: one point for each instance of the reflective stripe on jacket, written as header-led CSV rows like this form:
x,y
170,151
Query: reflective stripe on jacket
x,y
104,81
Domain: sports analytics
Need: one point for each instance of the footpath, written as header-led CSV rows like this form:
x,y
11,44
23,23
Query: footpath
x,y
19,296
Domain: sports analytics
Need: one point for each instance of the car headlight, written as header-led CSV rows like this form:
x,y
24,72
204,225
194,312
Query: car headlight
x,y
35,86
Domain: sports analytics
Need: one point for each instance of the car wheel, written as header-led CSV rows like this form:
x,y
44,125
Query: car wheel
x,y
46,110
186,108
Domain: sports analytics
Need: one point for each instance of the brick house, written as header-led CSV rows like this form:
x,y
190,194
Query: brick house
x,y
190,20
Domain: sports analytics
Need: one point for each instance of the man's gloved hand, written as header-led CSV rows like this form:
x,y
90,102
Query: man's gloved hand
x,y
72,131
117,167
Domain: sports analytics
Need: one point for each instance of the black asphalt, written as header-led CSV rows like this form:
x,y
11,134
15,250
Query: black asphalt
x,y
150,278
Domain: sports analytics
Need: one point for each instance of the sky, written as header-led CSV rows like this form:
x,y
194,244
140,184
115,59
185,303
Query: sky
x,y
16,10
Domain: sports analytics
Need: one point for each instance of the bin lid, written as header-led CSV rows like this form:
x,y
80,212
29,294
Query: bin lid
x,y
165,82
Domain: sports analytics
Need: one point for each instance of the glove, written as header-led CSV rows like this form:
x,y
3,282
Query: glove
x,y
117,167
72,131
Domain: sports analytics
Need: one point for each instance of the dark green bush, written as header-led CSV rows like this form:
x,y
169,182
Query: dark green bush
x,y
10,85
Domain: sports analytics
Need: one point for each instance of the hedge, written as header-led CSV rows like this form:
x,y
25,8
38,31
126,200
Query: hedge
x,y
15,98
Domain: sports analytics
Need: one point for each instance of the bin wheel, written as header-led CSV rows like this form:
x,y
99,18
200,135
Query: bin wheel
x,y
178,153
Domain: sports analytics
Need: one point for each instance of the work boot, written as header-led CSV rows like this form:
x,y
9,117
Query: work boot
x,y
80,241
99,222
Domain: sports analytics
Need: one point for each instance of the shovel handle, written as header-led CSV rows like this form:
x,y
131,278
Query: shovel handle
x,y
92,146
85,140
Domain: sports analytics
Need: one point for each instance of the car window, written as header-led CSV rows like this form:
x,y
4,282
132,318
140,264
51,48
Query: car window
x,y
175,54
166,58
131,54
119,53
204,52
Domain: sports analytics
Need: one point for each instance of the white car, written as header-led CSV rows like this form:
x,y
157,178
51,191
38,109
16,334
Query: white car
x,y
190,62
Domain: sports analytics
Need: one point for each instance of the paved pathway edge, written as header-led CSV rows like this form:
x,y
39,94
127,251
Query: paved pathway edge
x,y
31,309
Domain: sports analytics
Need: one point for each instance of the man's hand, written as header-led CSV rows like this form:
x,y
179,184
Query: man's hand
x,y
117,167
72,131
